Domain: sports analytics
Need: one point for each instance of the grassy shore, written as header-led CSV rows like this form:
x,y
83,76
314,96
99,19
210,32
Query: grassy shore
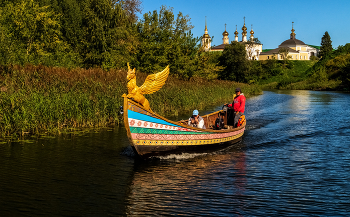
x,y
303,75
39,99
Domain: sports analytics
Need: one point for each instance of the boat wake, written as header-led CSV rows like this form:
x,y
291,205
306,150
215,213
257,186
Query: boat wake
x,y
183,156
186,156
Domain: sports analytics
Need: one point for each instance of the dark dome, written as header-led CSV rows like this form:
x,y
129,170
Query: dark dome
x,y
291,43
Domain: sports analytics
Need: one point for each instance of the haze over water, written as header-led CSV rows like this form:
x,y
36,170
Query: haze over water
x,y
293,161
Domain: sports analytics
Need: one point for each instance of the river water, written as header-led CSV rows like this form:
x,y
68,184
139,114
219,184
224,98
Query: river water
x,y
293,161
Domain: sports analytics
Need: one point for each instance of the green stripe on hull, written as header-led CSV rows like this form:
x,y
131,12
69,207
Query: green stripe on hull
x,y
159,131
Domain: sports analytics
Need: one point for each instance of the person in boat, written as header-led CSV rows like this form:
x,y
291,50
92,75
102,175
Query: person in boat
x,y
238,105
196,121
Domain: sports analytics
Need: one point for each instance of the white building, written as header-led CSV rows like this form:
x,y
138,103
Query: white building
x,y
253,48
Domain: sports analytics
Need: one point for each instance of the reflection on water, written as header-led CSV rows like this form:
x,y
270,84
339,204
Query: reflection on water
x,y
192,183
293,161
67,176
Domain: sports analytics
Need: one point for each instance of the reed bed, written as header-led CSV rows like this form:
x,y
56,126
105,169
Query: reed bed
x,y
40,99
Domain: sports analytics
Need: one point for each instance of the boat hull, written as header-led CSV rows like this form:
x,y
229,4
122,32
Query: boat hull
x,y
153,135
161,150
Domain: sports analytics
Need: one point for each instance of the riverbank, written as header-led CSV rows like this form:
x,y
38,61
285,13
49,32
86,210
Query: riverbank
x,y
328,73
39,99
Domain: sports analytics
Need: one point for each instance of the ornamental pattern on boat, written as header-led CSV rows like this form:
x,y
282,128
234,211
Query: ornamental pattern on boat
x,y
161,131
141,136
186,142
141,124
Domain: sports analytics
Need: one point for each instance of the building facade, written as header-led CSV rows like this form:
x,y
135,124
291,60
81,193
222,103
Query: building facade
x,y
294,49
253,49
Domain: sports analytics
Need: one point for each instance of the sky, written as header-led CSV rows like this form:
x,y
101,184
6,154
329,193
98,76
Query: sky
x,y
271,19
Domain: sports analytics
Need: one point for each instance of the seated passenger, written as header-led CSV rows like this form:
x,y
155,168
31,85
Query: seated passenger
x,y
196,120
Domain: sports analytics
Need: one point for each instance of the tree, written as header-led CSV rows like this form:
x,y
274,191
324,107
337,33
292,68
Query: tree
x,y
326,45
132,7
250,45
165,40
84,33
346,76
284,53
320,75
207,65
251,48
234,60
256,40
30,31
103,34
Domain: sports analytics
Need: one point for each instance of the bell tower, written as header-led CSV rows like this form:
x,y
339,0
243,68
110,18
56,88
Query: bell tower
x,y
236,34
252,34
225,37
244,32
206,40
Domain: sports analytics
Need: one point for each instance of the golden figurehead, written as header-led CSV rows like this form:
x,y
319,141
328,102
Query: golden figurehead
x,y
152,84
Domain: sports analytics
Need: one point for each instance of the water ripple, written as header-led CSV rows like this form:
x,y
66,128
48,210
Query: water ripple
x,y
293,161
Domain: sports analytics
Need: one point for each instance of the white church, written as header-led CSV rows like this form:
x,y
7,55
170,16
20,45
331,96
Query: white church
x,y
253,49
297,50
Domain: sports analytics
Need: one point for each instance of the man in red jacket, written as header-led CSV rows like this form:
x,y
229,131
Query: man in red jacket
x,y
238,105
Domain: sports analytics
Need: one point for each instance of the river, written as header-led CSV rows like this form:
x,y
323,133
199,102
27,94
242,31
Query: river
x,y
293,161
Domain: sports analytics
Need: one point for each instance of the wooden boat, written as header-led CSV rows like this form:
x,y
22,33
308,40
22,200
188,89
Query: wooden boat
x,y
151,134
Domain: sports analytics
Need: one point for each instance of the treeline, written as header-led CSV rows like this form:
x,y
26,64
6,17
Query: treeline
x,y
107,34
237,67
62,63
334,66
100,33
69,33
331,70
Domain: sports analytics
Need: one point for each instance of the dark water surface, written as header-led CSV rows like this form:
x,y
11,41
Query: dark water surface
x,y
294,160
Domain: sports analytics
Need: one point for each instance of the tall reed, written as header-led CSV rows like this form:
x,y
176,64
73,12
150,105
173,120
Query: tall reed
x,y
37,99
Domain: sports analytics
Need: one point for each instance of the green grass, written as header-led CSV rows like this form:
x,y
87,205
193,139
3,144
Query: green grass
x,y
302,75
294,72
297,77
37,100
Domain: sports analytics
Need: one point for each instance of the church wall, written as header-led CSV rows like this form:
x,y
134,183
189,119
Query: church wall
x,y
304,56
293,56
265,57
303,48
225,40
